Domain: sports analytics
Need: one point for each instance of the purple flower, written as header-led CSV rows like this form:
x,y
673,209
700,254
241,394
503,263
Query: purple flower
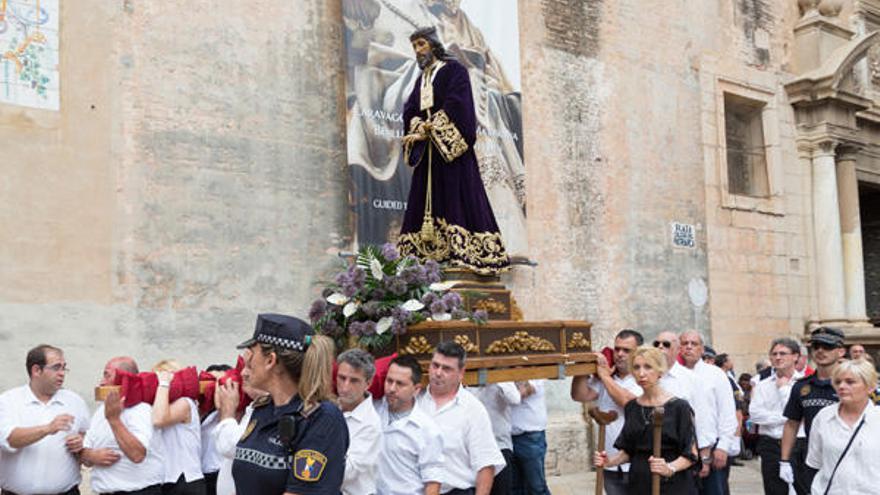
x,y
429,298
368,328
438,306
398,327
481,315
396,285
400,314
452,300
331,327
318,310
371,309
356,328
432,271
459,314
389,252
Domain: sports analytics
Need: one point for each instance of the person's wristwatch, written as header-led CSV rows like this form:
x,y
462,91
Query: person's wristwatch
x,y
165,383
671,469
706,459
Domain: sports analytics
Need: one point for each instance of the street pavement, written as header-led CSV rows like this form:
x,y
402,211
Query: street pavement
x,y
744,480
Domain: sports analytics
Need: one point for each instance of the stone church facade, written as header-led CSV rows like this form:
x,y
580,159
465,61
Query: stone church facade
x,y
708,165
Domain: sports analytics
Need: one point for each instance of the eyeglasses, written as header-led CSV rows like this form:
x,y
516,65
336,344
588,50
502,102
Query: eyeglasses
x,y
781,354
57,367
665,343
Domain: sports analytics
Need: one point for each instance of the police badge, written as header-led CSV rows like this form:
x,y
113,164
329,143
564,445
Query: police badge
x,y
308,465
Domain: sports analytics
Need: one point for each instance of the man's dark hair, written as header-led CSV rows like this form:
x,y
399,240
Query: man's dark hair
x,y
37,356
629,333
218,367
721,359
430,35
411,363
452,349
787,342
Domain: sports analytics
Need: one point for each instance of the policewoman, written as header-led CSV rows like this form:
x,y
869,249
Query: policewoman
x,y
296,439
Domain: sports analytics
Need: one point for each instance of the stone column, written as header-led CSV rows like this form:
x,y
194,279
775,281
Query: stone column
x,y
851,236
826,231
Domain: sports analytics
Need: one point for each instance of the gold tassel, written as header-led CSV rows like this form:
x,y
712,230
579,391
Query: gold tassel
x,y
427,232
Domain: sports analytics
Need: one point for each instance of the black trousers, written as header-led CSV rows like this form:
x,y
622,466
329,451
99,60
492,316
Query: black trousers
x,y
770,451
181,487
150,490
803,474
211,483
503,482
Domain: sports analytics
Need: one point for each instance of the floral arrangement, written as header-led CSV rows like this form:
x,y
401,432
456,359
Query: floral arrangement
x,y
380,295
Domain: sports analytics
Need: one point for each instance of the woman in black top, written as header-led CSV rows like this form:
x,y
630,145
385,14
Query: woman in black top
x,y
678,443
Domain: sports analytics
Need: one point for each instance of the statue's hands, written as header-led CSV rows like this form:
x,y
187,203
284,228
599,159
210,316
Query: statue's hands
x,y
410,139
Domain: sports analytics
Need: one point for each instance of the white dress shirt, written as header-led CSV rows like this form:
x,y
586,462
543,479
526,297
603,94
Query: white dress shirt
x,y
124,475
211,458
768,403
605,403
722,406
498,398
45,466
530,414
182,444
364,429
682,383
858,473
468,443
410,453
226,436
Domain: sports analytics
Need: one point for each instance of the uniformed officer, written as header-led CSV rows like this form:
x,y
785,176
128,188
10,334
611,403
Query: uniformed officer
x,y
296,439
808,396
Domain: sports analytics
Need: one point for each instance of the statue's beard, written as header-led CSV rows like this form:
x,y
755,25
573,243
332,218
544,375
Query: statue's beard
x,y
424,60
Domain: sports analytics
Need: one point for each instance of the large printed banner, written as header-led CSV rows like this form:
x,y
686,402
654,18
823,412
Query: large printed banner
x,y
381,71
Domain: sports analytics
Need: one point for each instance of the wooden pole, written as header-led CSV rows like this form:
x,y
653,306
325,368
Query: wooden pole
x,y
602,419
658,438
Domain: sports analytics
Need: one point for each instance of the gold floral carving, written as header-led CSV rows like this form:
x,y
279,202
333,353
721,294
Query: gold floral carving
x,y
465,342
417,345
491,305
480,252
578,341
516,313
520,342
446,137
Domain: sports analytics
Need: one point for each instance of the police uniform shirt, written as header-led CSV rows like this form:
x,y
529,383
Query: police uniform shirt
x,y
808,396
264,465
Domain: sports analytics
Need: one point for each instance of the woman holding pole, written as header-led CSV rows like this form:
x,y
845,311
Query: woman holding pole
x,y
665,466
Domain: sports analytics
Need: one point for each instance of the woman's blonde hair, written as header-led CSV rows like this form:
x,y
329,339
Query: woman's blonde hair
x,y
169,365
312,370
652,355
859,368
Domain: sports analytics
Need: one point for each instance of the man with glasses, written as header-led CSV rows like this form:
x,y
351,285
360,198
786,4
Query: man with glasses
x,y
41,429
765,410
808,396
612,388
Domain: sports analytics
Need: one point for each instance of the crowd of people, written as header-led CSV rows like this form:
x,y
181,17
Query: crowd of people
x,y
811,428
347,424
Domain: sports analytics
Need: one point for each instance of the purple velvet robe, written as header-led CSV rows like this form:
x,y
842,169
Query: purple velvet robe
x,y
467,235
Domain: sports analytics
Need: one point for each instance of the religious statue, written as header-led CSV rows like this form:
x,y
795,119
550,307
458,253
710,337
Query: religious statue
x,y
448,216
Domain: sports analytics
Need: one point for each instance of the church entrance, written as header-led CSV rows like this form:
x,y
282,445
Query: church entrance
x,y
869,207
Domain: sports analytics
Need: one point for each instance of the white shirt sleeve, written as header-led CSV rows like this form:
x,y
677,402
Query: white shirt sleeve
x,y
704,423
726,412
814,452
7,423
228,432
361,459
766,407
481,445
431,457
510,393
139,422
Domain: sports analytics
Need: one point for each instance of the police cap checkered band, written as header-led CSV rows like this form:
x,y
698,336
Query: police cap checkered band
x,y
280,330
280,342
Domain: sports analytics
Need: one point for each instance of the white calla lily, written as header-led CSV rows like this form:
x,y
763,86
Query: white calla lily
x,y
376,269
337,299
442,286
350,309
441,316
383,325
412,305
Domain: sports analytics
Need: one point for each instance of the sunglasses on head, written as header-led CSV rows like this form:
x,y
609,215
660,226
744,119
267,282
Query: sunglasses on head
x,y
665,343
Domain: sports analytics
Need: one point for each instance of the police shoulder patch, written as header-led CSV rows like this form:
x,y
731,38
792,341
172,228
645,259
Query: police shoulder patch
x,y
308,465
805,390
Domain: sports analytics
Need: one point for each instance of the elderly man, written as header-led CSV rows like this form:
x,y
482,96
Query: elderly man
x,y
121,446
856,351
765,410
682,383
471,455
41,426
612,388
719,420
353,378
411,453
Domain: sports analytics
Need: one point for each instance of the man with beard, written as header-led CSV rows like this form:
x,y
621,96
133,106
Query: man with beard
x,y
448,216
355,373
612,388
41,427
808,396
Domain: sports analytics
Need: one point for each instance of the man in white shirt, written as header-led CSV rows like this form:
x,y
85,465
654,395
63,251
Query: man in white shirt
x,y
612,388
528,425
766,407
353,378
722,423
471,455
121,446
682,383
411,446
498,398
41,427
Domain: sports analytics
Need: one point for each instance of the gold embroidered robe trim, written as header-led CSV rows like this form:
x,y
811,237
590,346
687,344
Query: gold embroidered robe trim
x,y
414,124
446,137
479,252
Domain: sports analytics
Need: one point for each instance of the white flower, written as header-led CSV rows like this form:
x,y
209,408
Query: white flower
x,y
442,286
337,299
412,305
383,325
376,269
350,309
441,316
